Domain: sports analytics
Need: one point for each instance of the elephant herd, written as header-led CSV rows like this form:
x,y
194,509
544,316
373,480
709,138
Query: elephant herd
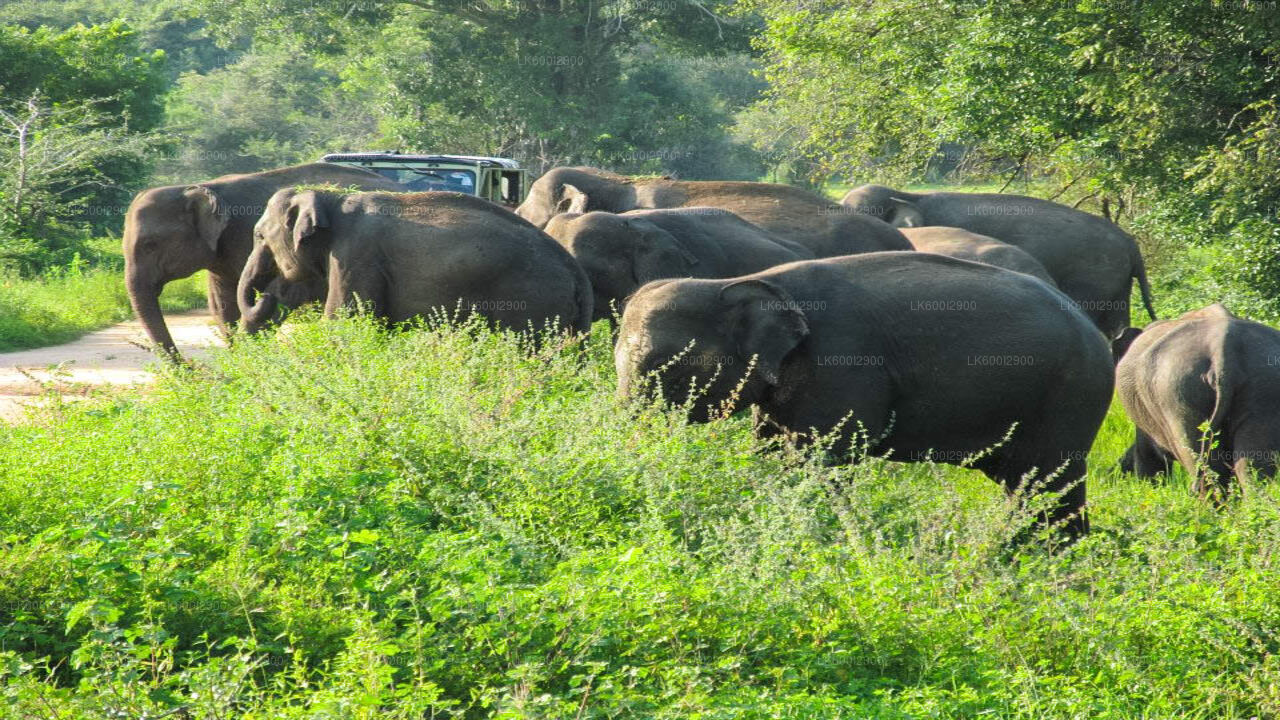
x,y
961,328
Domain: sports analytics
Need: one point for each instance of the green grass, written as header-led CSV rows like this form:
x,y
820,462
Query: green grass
x,y
346,523
62,306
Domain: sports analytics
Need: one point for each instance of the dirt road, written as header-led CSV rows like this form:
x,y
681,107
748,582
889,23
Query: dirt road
x,y
102,358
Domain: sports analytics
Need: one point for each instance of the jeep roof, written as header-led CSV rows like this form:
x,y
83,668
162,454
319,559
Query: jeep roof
x,y
393,156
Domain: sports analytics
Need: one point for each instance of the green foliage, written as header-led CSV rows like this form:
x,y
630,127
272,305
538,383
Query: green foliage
x,y
169,25
102,63
85,294
266,110
618,84
346,522
1121,95
75,108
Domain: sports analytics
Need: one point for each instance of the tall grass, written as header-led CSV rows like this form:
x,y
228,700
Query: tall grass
x,y
342,522
65,303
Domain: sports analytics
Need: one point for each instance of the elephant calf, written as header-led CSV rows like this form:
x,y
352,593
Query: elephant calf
x,y
935,358
406,254
1206,369
958,243
622,252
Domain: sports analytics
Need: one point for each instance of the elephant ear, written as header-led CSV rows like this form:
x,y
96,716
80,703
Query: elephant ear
x,y
572,200
306,215
766,322
209,216
657,254
905,214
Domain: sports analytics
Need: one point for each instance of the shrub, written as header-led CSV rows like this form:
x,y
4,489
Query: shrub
x,y
346,522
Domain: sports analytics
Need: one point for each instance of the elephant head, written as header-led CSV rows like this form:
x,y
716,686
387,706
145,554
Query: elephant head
x,y
619,254
287,266
169,233
691,331
895,207
294,229
1120,345
576,189
904,213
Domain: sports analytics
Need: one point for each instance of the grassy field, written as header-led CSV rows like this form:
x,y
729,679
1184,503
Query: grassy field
x,y
64,305
347,523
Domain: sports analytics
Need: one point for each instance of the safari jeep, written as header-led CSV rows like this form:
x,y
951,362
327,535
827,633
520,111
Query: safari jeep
x,y
497,179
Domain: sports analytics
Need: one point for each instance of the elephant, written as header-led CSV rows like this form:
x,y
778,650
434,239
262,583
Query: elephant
x,y
174,231
1203,390
622,252
407,254
957,243
825,228
931,357
1091,259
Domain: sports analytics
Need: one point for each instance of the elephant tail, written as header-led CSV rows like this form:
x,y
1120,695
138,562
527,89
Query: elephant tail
x,y
1140,274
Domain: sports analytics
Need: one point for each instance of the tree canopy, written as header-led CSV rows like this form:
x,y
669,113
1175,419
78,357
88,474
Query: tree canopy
x,y
1121,95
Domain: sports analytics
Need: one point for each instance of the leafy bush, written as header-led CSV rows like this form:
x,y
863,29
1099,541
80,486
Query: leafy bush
x,y
74,140
343,522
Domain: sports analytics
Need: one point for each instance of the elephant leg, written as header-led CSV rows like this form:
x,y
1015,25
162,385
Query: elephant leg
x,y
1063,478
1126,462
366,289
222,300
1051,457
1147,459
1206,457
1255,452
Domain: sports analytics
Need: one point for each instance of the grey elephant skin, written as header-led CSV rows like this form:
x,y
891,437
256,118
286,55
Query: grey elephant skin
x,y
824,227
1090,258
1211,369
172,232
407,254
936,358
965,245
622,252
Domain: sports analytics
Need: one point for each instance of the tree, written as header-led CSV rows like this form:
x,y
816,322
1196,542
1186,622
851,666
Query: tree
x,y
268,109
549,82
169,25
51,154
78,106
1121,97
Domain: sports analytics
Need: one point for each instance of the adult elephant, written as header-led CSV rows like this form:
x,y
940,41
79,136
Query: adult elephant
x,y
965,245
622,252
1092,260
1203,390
935,358
172,232
408,254
825,228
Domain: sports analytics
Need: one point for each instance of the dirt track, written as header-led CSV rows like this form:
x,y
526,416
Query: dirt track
x,y
99,359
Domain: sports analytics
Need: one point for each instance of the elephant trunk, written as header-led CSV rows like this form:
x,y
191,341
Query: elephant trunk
x,y
258,272
144,296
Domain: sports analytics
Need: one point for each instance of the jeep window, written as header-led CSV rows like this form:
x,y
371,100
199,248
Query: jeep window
x,y
511,188
456,180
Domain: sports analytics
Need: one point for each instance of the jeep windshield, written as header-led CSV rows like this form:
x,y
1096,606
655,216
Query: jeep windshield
x,y
423,179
